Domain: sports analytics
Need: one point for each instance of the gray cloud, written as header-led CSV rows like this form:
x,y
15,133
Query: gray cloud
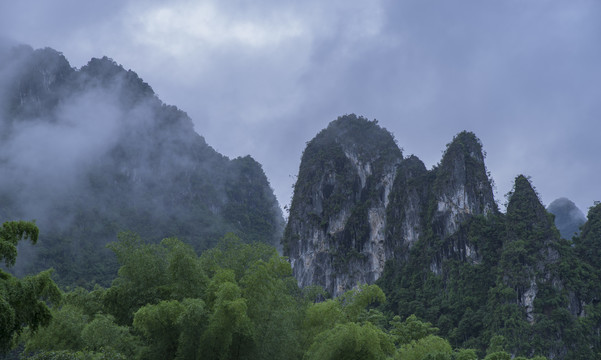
x,y
264,77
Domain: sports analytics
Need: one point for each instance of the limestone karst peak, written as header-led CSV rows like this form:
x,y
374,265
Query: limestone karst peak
x,y
358,203
524,206
462,187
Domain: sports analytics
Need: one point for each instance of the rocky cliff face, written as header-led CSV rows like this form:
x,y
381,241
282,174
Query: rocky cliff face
x,y
437,245
336,230
531,233
408,206
461,188
367,205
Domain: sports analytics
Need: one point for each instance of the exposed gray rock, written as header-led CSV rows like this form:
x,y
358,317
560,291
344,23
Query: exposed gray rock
x,y
408,207
462,187
527,300
358,203
345,180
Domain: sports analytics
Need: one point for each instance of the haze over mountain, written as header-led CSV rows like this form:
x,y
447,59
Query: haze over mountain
x,y
91,152
568,217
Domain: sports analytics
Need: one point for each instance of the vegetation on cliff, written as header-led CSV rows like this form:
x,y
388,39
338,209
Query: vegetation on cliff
x,y
526,284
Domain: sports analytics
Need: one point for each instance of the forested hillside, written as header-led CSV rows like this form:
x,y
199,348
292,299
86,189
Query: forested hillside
x,y
235,301
436,243
90,152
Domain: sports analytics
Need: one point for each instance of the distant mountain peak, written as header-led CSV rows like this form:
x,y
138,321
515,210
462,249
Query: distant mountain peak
x,y
568,217
360,135
106,71
524,204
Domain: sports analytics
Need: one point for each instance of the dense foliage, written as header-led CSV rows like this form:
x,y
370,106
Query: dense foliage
x,y
235,301
328,153
527,289
23,302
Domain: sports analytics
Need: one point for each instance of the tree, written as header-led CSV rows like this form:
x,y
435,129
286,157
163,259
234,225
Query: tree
x,y
159,325
187,279
499,355
22,302
143,277
103,333
10,234
320,317
351,341
466,354
229,333
355,301
429,347
192,322
412,329
275,313
62,333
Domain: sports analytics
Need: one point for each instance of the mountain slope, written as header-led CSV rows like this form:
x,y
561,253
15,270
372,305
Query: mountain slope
x,y
482,277
91,152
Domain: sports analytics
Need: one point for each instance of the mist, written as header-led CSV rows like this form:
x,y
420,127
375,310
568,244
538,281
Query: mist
x,y
92,152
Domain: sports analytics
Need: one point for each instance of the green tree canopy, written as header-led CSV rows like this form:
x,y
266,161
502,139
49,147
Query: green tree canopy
x,y
23,302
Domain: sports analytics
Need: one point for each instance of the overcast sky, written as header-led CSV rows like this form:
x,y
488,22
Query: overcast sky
x,y
263,77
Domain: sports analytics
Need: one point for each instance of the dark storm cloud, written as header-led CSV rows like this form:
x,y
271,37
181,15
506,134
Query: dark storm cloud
x,y
264,77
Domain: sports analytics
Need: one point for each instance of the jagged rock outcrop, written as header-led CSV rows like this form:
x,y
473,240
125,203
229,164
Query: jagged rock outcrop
x,y
335,235
450,256
568,217
588,242
530,249
93,151
408,206
461,188
357,203
507,274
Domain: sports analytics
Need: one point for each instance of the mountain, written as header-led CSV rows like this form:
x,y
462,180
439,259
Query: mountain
x,y
93,151
568,218
335,235
358,203
438,246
